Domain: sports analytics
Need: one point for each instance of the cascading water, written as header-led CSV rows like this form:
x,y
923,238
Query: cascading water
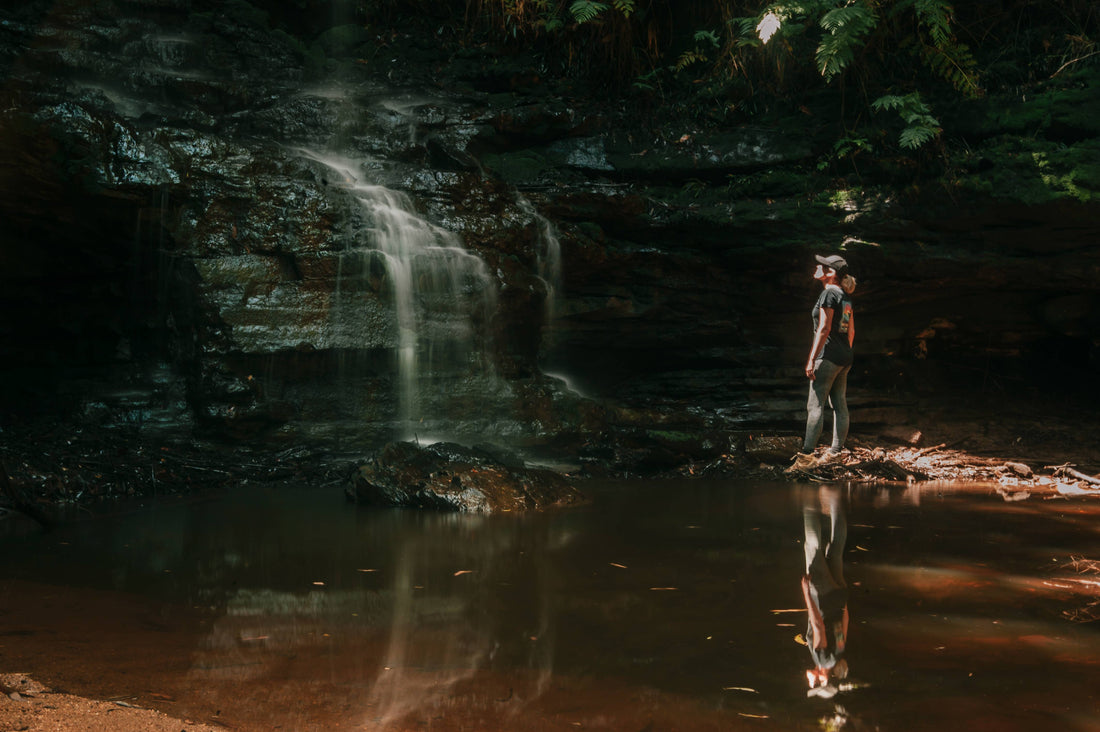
x,y
549,257
549,262
441,292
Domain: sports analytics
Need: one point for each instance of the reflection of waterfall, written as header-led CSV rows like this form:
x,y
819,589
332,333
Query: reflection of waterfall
x,y
440,291
451,626
446,650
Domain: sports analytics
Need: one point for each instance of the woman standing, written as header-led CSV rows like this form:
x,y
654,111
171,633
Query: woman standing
x,y
830,359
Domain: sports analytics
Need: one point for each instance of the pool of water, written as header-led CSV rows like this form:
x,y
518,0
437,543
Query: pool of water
x,y
658,606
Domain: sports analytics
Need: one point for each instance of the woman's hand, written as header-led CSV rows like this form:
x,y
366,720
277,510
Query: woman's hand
x,y
810,370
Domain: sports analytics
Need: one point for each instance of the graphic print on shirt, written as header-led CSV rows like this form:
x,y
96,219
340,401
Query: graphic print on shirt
x,y
845,317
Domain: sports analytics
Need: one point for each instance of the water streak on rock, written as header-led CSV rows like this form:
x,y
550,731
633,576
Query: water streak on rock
x,y
441,292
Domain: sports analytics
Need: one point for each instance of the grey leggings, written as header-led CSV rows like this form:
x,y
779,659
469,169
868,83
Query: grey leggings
x,y
830,385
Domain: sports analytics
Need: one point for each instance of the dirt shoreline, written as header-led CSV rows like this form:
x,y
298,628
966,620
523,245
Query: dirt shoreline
x,y
29,706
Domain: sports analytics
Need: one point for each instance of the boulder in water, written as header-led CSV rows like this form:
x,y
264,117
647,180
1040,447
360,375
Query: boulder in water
x,y
451,477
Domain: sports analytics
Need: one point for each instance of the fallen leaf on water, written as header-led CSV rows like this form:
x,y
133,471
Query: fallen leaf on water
x,y
366,570
792,610
752,716
739,688
663,589
463,571
319,584
620,566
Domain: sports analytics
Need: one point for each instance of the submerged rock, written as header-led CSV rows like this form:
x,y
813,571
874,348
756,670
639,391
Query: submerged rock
x,y
451,477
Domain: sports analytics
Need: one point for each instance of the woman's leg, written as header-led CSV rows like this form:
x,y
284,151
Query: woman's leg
x,y
838,400
820,387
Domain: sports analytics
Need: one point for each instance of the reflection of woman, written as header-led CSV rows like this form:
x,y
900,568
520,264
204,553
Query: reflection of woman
x,y
830,358
824,589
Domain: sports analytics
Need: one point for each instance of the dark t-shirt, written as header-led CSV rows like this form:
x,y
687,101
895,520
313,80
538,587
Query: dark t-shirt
x,y
836,348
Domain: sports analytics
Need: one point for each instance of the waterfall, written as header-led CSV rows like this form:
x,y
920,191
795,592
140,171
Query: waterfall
x,y
548,257
441,292
549,264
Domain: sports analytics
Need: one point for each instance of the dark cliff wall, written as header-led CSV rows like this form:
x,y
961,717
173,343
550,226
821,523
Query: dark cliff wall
x,y
172,256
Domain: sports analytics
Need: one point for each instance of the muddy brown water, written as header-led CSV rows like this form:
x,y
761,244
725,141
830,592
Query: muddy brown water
x,y
659,606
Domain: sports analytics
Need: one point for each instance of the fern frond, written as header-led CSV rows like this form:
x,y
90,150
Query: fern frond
x,y
626,7
913,137
846,28
955,64
687,58
888,102
584,11
848,19
743,27
709,36
935,15
920,125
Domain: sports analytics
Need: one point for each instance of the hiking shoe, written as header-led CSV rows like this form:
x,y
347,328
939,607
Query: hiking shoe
x,y
802,461
831,457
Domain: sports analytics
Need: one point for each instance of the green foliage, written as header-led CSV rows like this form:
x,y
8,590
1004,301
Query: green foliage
x,y
939,49
846,28
647,82
846,148
706,36
687,58
626,7
697,54
920,125
584,11
710,58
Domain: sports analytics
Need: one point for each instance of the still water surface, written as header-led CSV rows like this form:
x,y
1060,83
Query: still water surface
x,y
659,606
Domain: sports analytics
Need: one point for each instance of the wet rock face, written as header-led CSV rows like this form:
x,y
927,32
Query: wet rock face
x,y
449,477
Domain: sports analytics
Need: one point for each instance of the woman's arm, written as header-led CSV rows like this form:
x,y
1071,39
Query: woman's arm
x,y
824,325
852,330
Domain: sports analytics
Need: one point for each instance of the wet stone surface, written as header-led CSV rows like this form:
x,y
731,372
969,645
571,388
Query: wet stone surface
x,y
451,477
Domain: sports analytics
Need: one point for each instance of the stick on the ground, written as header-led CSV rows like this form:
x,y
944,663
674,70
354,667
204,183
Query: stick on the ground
x,y
1070,472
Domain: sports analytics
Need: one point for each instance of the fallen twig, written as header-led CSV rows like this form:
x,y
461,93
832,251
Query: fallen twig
x,y
1067,472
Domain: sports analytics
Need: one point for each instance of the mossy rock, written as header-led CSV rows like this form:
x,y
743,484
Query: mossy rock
x,y
1034,171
